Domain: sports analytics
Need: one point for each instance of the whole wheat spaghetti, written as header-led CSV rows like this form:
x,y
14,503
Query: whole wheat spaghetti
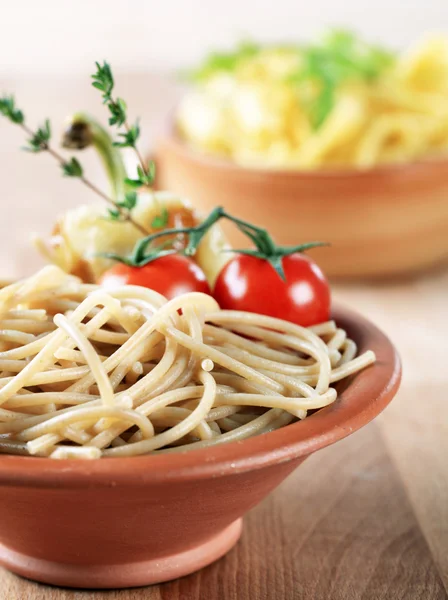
x,y
86,373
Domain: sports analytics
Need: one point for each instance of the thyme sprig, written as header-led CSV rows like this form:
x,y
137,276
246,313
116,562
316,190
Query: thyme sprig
x,y
8,109
103,80
123,201
39,141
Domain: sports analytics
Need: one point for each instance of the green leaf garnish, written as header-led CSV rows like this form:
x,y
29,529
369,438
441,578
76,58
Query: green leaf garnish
x,y
130,201
117,110
151,175
114,215
141,173
9,110
160,221
130,137
135,183
40,139
339,58
224,61
72,168
103,80
143,177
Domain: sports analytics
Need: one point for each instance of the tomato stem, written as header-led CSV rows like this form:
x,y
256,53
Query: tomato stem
x,y
195,235
265,247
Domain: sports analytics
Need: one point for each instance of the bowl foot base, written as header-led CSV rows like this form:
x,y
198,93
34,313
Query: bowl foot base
x,y
127,575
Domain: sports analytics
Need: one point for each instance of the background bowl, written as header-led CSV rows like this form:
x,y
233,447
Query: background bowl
x,y
124,522
383,221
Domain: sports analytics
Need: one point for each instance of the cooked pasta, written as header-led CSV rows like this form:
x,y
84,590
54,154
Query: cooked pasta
x,y
89,374
258,106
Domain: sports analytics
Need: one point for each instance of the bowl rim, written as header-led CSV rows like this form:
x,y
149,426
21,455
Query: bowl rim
x,y
364,397
171,138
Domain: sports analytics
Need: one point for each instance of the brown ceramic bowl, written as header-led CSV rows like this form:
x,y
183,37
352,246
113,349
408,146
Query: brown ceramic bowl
x,y
124,522
380,222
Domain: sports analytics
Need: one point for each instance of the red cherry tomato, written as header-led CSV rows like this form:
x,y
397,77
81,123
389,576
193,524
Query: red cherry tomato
x,y
170,275
251,284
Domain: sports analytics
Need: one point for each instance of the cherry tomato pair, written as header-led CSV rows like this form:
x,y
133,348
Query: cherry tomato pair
x,y
246,283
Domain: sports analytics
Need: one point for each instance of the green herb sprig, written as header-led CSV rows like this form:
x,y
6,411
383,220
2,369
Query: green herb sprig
x,y
72,168
103,80
39,141
82,134
8,109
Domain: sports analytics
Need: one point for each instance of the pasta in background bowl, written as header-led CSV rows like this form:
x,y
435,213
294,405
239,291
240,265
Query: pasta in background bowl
x,y
360,160
337,103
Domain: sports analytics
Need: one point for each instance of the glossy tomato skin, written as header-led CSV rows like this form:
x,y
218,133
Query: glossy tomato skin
x,y
251,284
171,276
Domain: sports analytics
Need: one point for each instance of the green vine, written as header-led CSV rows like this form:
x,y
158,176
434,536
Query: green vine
x,y
265,247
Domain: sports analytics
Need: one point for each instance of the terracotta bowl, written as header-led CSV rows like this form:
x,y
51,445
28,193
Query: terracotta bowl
x,y
380,222
123,522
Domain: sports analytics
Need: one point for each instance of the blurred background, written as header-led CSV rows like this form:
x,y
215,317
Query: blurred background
x,y
62,36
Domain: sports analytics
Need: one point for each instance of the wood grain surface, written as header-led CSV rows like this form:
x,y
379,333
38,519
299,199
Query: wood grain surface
x,y
365,519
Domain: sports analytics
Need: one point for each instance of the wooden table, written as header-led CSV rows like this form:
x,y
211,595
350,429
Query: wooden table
x,y
365,519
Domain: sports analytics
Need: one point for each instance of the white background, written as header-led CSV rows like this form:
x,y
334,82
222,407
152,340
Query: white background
x,y
56,35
